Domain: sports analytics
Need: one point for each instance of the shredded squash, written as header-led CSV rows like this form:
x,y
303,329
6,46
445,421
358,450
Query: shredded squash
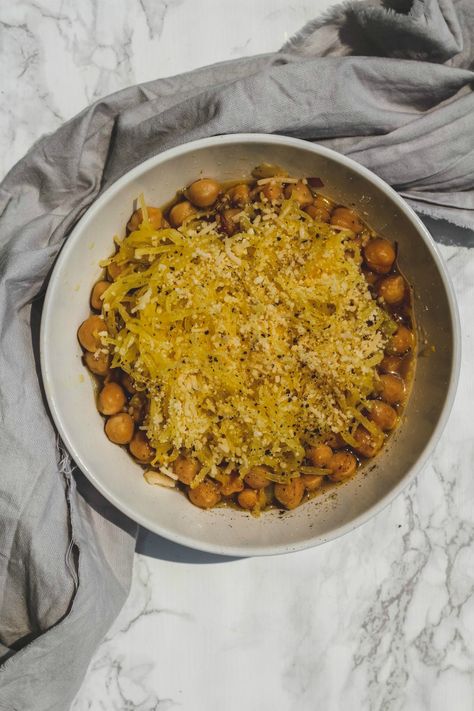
x,y
247,347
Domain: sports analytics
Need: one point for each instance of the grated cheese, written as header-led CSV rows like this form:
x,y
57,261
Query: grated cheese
x,y
244,359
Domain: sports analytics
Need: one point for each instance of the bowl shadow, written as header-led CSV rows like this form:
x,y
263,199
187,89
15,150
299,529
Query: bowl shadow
x,y
147,542
154,546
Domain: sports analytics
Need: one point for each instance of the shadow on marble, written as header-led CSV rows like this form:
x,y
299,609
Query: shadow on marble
x,y
155,546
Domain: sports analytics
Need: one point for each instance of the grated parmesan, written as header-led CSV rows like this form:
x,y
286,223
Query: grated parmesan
x,y
244,359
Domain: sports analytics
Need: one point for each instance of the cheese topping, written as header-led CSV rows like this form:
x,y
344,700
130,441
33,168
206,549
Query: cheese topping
x,y
247,347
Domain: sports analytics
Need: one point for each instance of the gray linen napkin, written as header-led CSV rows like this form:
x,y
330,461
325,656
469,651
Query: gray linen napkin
x,y
390,87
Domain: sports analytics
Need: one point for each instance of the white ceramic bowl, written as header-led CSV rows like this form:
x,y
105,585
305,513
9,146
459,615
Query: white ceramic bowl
x,y
69,388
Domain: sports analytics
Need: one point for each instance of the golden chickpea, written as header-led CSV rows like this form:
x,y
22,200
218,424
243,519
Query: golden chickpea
x,y
272,191
401,342
319,455
114,270
239,195
228,224
248,499
205,495
348,219
323,203
204,192
155,218
299,192
317,213
257,478
290,494
96,294
391,364
232,485
392,289
312,482
181,212
140,447
119,428
367,444
379,255
392,388
98,362
342,466
88,333
383,415
267,170
186,468
111,399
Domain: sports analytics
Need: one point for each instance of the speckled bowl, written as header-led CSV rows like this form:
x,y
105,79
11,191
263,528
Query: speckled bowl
x,y
69,388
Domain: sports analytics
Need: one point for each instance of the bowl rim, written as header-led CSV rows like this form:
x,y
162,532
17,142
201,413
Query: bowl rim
x,y
386,499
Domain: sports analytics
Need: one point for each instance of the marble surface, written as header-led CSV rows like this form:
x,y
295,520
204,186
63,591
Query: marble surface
x,y
382,619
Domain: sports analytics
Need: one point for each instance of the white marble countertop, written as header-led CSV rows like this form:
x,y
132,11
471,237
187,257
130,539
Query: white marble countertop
x,y
382,619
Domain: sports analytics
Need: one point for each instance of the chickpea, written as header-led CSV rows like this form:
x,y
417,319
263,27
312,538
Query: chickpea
x,y
127,382
383,415
140,447
205,495
272,191
342,466
181,212
317,213
392,388
239,195
290,494
379,255
392,289
88,333
401,342
391,364
119,428
267,170
299,192
114,270
155,218
204,192
186,468
343,217
111,399
228,224
232,485
96,293
367,444
248,499
98,362
312,482
257,478
319,455
323,203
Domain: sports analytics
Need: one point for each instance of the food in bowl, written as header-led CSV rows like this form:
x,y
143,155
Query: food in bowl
x,y
253,343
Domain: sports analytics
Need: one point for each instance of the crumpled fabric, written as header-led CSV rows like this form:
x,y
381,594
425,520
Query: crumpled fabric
x,y
388,83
